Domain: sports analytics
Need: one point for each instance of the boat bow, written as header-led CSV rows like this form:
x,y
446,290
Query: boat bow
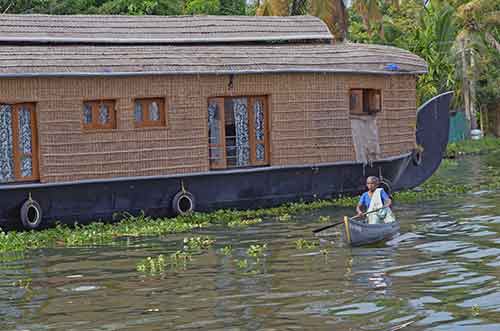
x,y
433,123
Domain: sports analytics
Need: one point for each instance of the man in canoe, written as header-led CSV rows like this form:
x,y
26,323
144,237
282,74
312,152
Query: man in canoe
x,y
375,199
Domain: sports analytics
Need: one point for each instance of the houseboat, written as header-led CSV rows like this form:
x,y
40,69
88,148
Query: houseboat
x,y
166,115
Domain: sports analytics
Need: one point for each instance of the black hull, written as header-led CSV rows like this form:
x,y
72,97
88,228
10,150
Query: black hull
x,y
358,233
242,189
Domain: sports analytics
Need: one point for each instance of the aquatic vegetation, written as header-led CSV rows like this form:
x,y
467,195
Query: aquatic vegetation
x,y
256,251
23,283
227,250
180,257
304,244
324,219
446,163
243,223
160,264
152,265
242,264
476,310
284,218
467,147
198,242
13,243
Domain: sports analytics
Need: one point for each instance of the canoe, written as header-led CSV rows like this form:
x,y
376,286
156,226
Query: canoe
x,y
358,233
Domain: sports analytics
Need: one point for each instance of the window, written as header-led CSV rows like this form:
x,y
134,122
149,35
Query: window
x,y
237,132
99,115
365,101
18,143
149,113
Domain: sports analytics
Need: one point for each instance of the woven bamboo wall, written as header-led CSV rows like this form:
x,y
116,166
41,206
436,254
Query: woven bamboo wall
x,y
309,120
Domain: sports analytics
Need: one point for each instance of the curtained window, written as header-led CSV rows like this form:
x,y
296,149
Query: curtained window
x,y
99,114
149,113
18,148
238,132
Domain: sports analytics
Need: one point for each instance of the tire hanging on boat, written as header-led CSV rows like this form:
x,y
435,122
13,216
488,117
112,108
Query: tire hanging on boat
x,y
183,203
31,214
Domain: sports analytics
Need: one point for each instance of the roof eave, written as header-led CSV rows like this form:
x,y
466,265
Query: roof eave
x,y
163,41
219,72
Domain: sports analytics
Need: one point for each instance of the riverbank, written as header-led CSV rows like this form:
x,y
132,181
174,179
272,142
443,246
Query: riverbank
x,y
471,147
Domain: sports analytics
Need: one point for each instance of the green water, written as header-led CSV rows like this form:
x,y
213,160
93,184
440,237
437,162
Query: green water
x,y
444,276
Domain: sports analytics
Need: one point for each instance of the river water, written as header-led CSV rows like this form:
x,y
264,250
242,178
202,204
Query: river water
x,y
444,276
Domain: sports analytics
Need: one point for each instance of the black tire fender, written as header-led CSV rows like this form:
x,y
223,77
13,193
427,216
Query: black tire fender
x,y
31,215
183,203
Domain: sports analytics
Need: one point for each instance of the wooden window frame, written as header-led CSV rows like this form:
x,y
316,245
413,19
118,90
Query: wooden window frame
x,y
251,128
222,136
365,106
146,122
16,153
95,125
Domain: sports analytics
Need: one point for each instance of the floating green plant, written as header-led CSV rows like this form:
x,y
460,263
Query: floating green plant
x,y
152,265
242,264
325,219
284,217
23,283
243,223
257,250
476,310
159,264
304,244
227,250
198,242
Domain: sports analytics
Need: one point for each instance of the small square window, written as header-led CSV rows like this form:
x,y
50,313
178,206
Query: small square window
x,y
365,101
99,114
149,113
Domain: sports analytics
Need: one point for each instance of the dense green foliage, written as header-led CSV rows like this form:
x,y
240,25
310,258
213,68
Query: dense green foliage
x,y
467,147
441,33
125,7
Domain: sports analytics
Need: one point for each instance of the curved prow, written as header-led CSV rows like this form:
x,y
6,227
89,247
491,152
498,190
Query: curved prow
x,y
433,124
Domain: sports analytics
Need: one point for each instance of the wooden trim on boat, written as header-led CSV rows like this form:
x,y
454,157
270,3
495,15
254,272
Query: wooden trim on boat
x,y
347,230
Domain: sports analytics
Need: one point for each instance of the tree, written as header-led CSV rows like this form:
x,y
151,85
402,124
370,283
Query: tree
x,y
479,21
206,7
232,7
332,12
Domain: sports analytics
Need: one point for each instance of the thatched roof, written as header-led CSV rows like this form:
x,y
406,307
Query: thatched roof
x,y
44,45
114,29
101,60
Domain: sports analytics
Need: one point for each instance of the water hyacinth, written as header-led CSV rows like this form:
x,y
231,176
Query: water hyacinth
x,y
257,250
161,264
100,233
227,250
198,242
304,244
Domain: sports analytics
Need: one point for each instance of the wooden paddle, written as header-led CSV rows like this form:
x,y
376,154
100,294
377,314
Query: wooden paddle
x,y
342,222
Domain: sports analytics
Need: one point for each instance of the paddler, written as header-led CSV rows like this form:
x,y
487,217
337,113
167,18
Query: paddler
x,y
375,199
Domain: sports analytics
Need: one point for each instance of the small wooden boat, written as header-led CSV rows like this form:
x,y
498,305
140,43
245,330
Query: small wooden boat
x,y
359,233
